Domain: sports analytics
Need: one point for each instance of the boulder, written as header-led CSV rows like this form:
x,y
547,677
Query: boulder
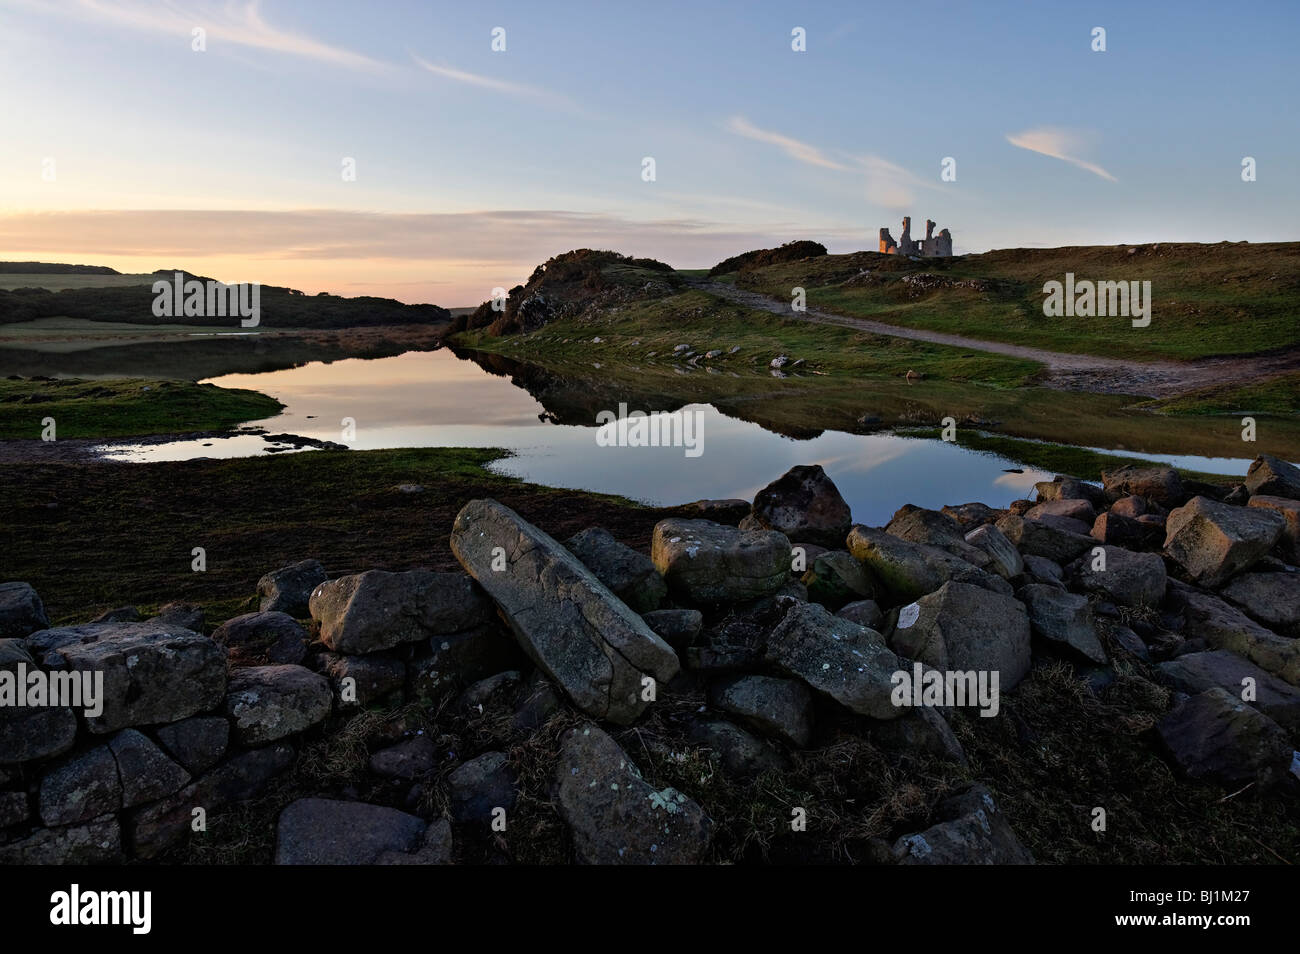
x,y
1214,736
447,662
630,575
804,504
83,787
1130,532
481,786
1129,579
972,515
1069,509
13,809
924,731
676,627
1069,488
98,842
1271,598
21,611
836,657
742,755
935,529
271,702
36,732
863,612
146,773
1289,542
157,826
1004,559
709,563
580,634
1160,484
772,706
1036,538
616,816
1043,570
1212,540
376,610
434,848
197,743
975,833
289,589
906,571
262,638
1222,626
1272,477
406,760
325,831
122,614
1134,507
1063,619
965,628
153,673
836,578
362,681
1195,672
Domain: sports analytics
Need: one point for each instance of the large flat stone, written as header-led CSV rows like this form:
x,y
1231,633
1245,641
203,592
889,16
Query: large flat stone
x,y
577,631
704,562
153,673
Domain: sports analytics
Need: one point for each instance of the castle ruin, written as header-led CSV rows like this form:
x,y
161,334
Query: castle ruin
x,y
932,246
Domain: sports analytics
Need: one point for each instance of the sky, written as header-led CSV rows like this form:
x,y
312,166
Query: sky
x,y
126,146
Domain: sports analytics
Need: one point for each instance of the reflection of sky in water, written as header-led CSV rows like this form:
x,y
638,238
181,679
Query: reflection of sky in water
x,y
433,399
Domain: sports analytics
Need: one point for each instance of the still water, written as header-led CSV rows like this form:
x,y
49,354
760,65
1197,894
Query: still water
x,y
436,399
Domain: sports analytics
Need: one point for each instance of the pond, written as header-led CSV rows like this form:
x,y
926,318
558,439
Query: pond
x,y
439,399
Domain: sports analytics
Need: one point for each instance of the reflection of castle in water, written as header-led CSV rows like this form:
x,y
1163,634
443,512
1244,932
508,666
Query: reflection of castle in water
x,y
932,246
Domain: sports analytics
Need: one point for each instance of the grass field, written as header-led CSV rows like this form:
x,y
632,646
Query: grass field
x,y
123,408
1225,299
630,332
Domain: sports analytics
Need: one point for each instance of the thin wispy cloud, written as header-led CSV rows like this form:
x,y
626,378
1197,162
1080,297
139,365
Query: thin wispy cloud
x,y
794,148
1059,144
237,23
887,184
494,84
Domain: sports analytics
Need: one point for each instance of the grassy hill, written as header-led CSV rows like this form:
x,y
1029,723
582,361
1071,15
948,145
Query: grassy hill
x,y
1224,299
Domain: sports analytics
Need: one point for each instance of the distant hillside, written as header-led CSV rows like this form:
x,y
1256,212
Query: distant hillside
x,y
133,303
1223,299
54,268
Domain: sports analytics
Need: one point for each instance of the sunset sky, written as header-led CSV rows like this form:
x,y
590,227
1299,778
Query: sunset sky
x,y
472,166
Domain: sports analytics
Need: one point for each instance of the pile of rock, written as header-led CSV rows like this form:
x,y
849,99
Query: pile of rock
x,y
793,613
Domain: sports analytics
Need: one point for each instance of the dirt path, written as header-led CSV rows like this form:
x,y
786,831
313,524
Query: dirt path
x,y
1067,372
